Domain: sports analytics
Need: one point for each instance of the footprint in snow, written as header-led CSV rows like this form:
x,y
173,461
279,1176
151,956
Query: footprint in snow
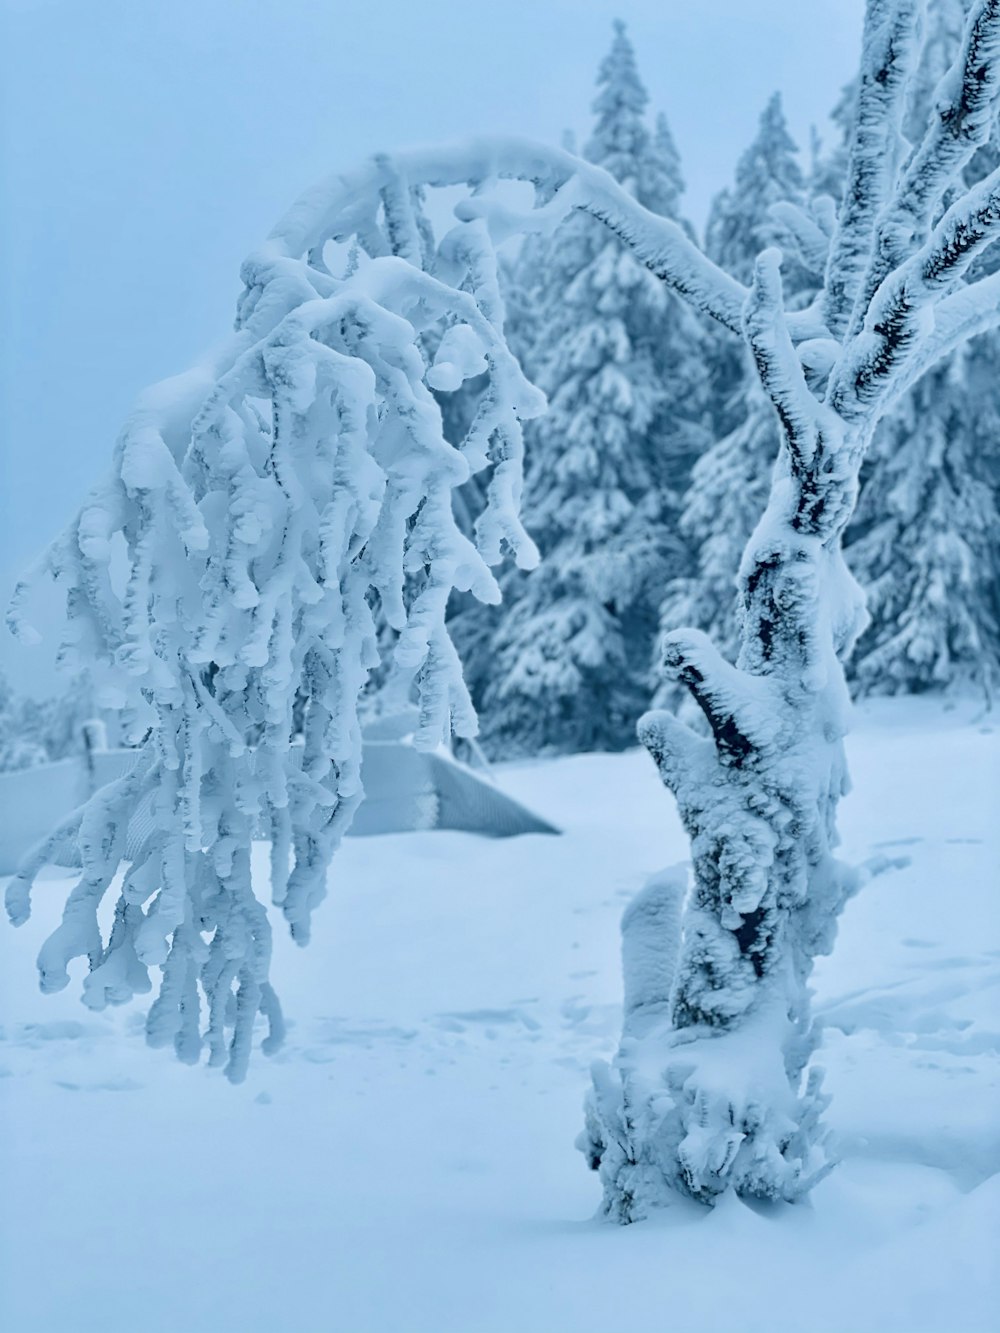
x,y
946,964
318,1057
337,1033
67,1029
573,1011
109,1085
458,1019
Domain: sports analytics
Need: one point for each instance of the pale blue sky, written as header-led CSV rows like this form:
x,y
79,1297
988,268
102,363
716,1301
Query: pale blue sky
x,y
149,144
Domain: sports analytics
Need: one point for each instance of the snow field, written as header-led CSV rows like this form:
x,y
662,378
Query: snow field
x,y
405,1163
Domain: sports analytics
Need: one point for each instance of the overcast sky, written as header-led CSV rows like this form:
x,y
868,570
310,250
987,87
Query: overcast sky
x,y
149,144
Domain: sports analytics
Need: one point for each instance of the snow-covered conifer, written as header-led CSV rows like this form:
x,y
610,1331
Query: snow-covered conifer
x,y
925,541
36,731
22,743
620,358
740,223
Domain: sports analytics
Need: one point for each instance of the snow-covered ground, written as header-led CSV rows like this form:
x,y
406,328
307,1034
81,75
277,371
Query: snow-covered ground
x,y
406,1163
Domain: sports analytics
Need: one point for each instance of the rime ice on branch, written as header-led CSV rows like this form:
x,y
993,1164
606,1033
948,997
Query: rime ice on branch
x,y
729,482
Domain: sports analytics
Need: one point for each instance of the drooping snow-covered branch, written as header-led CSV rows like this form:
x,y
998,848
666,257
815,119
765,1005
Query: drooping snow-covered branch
x,y
220,586
346,205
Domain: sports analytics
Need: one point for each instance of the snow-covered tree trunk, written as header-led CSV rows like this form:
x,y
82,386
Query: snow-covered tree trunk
x,y
729,483
709,1096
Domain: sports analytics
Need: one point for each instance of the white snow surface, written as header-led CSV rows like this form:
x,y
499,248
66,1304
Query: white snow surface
x,y
405,1164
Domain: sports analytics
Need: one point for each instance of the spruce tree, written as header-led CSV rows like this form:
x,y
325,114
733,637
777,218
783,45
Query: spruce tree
x,y
21,745
567,666
36,731
740,224
925,537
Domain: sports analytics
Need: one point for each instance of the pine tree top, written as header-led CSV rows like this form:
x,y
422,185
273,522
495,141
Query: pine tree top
x,y
648,165
767,172
664,181
771,161
620,141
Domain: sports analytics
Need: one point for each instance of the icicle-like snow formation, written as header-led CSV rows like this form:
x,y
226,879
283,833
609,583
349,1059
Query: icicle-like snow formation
x,y
261,502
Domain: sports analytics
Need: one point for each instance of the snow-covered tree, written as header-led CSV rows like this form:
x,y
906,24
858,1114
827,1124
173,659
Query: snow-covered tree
x,y
265,499
21,744
261,496
925,544
566,667
740,223
706,1092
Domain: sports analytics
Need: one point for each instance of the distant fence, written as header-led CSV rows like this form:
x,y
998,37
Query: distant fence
x,y
405,790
